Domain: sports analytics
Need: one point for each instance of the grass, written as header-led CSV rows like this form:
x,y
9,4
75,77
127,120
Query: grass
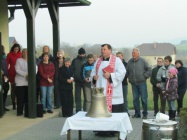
x,y
150,98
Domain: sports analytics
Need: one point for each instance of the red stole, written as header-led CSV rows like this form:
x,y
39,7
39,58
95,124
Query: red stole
x,y
109,87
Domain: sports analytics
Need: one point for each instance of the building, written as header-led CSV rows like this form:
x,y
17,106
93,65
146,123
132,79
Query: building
x,y
152,51
12,41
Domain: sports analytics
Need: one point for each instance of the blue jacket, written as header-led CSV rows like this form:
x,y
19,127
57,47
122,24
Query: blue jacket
x,y
85,71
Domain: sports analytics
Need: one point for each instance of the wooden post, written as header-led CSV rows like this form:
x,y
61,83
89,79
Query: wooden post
x,y
80,134
1,91
69,135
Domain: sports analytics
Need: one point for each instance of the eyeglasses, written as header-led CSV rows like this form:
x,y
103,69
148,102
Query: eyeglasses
x,y
159,61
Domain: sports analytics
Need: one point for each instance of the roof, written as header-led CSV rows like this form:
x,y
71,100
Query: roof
x,y
157,49
12,40
17,4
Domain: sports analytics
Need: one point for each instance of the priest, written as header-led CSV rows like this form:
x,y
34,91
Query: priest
x,y
109,72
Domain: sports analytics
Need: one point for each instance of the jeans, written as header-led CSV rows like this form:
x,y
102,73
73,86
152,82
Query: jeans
x,y
140,90
46,96
125,92
171,105
78,97
88,92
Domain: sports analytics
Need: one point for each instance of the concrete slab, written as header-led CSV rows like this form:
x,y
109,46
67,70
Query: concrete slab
x,y
49,128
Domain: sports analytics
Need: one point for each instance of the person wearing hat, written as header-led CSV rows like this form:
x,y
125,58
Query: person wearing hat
x,y
182,83
79,82
170,91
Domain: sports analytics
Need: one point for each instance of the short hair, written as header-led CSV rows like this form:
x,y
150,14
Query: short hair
x,y
90,56
47,47
24,49
108,46
137,49
119,53
45,53
179,61
14,46
160,58
168,58
67,59
61,51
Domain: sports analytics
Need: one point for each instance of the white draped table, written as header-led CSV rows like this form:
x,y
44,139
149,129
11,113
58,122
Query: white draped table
x,y
118,122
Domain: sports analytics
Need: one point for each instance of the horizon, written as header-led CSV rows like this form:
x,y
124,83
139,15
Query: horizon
x,y
122,24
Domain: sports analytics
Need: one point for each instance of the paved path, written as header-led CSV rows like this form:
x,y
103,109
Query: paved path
x,y
49,128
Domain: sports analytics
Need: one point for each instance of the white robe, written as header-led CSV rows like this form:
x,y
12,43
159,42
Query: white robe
x,y
117,78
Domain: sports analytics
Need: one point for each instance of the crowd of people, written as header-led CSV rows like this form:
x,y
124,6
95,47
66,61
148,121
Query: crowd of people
x,y
110,71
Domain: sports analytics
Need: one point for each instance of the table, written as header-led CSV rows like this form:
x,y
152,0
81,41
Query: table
x,y
118,122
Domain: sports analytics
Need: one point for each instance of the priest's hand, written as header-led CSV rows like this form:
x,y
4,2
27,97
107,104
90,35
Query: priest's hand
x,y
95,77
106,75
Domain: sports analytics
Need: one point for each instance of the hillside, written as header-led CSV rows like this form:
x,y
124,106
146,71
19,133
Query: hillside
x,y
182,45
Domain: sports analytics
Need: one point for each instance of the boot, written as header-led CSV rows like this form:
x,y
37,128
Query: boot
x,y
170,114
14,106
173,114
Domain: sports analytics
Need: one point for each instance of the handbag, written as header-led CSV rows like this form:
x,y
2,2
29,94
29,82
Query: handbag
x,y
39,108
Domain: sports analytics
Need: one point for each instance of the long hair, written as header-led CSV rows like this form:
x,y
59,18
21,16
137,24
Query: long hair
x,y
14,46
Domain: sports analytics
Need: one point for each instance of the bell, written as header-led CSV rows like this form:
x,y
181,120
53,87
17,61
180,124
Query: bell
x,y
98,107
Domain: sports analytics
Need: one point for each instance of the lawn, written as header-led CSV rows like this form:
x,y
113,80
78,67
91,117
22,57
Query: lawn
x,y
150,97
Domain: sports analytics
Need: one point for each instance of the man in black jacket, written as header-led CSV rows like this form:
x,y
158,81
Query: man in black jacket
x,y
79,82
154,82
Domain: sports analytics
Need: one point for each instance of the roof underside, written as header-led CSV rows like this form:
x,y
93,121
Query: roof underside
x,y
17,4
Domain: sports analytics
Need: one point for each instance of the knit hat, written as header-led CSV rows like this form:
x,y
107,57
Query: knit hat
x,y
173,70
81,51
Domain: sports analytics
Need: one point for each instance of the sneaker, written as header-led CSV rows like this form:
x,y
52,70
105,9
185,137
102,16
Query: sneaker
x,y
136,116
144,117
49,111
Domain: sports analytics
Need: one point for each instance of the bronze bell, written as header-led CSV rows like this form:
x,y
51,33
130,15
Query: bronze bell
x,y
98,107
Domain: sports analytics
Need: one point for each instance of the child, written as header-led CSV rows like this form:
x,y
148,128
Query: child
x,y
170,91
85,71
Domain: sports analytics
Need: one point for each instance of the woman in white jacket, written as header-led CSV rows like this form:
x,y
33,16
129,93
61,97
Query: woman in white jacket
x,y
21,81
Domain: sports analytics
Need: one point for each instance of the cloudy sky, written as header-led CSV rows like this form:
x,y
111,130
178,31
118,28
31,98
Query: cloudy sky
x,y
122,23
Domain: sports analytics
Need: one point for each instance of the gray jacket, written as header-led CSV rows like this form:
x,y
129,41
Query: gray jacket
x,y
163,72
138,70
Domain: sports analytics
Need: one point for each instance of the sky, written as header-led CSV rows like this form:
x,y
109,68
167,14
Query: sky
x,y
121,23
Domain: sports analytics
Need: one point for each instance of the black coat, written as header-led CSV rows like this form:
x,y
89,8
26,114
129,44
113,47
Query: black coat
x,y
182,79
63,75
124,82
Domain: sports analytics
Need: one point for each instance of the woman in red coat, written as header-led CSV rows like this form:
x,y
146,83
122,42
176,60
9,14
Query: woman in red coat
x,y
12,56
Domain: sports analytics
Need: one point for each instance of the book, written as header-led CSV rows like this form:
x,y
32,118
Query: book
x,y
108,69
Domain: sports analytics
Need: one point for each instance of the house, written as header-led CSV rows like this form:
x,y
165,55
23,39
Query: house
x,y
152,51
12,41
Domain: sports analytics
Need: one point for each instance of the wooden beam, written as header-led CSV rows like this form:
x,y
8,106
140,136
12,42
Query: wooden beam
x,y
53,10
27,8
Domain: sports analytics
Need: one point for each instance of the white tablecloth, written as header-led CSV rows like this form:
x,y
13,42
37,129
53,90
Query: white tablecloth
x,y
118,122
